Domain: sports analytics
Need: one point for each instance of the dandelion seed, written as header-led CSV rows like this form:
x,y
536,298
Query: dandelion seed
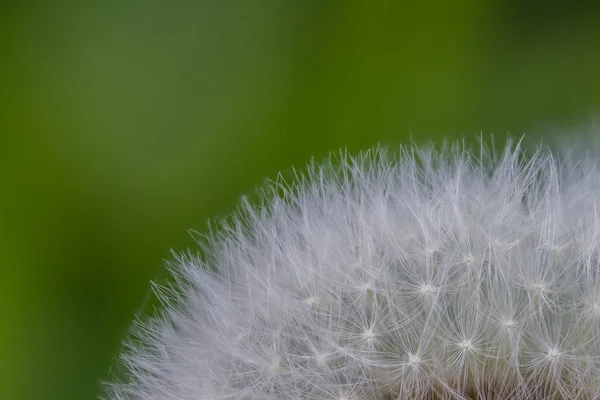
x,y
509,323
553,353
466,345
414,360
450,275
468,259
426,289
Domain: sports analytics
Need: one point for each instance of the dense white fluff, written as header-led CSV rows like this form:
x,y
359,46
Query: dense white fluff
x,y
428,274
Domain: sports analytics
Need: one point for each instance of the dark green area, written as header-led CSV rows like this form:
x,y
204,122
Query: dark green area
x,y
126,123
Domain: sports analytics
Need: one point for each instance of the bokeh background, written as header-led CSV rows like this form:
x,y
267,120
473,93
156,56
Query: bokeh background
x,y
126,123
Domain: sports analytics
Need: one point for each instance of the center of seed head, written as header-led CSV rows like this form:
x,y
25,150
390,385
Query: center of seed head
x,y
426,289
468,259
414,360
509,323
539,287
368,335
553,353
466,345
320,358
277,368
430,250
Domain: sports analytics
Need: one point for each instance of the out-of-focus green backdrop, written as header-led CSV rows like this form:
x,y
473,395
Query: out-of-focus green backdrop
x,y
126,123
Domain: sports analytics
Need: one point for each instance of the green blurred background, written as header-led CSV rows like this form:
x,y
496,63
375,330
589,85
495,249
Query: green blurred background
x,y
126,123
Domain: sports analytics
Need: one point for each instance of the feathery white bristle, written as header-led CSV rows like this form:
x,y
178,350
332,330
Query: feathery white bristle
x,y
422,275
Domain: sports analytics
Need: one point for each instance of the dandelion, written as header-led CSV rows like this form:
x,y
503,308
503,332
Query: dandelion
x,y
447,274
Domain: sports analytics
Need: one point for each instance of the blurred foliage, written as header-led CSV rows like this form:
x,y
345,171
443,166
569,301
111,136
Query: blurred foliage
x,y
126,123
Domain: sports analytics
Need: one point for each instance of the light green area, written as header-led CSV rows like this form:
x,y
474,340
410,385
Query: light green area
x,y
126,123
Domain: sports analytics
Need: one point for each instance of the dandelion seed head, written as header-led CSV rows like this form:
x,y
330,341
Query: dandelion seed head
x,y
451,274
538,288
414,360
466,345
426,289
509,323
468,259
553,353
368,335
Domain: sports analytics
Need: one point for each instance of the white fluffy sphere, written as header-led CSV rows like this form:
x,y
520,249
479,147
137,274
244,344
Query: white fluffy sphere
x,y
428,274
